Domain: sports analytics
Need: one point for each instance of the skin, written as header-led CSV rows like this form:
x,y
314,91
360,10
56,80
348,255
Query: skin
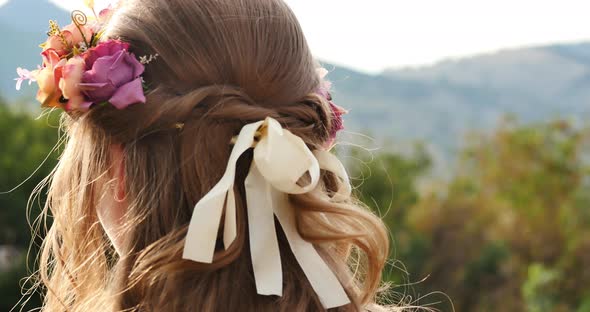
x,y
112,205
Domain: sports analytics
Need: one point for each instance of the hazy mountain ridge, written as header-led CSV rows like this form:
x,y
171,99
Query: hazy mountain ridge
x,y
31,15
437,104
441,102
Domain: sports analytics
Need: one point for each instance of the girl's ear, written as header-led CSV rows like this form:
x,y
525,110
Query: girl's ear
x,y
118,171
112,206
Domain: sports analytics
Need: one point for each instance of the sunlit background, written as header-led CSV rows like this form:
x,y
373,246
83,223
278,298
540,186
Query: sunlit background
x,y
379,34
468,133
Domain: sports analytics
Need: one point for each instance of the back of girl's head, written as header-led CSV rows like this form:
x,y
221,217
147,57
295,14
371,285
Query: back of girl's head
x,y
219,65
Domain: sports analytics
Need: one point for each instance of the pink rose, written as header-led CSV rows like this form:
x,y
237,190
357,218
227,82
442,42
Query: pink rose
x,y
113,75
71,76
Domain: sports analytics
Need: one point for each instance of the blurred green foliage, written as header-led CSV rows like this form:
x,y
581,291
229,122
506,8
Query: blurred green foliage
x,y
509,231
25,143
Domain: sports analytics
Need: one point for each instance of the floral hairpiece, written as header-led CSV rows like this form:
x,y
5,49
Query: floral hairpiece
x,y
337,111
80,70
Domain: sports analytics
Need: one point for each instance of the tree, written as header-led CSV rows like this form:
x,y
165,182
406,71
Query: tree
x,y
26,144
512,226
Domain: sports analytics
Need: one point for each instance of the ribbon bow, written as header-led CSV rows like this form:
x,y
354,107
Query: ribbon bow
x,y
280,160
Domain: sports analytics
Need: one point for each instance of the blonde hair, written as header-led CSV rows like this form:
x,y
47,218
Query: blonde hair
x,y
222,64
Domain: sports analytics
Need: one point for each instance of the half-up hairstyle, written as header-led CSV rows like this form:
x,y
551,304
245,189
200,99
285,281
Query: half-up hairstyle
x,y
221,64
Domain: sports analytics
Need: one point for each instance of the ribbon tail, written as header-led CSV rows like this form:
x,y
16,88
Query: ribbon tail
x,y
264,245
203,228
330,162
202,231
320,276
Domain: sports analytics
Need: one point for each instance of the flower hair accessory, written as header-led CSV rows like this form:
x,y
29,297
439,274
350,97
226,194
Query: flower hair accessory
x,y
337,111
280,160
80,70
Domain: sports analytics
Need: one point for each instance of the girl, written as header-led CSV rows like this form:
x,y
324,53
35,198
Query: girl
x,y
196,174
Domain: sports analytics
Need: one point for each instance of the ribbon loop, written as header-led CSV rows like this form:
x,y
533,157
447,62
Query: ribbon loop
x,y
329,162
280,161
283,158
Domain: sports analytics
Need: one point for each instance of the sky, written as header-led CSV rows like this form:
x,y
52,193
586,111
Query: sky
x,y
372,35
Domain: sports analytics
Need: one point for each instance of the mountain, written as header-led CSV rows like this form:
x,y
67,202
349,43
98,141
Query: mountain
x,y
539,80
436,104
24,24
31,16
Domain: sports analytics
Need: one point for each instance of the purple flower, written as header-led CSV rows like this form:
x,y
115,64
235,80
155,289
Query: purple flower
x,y
106,48
337,111
113,75
337,122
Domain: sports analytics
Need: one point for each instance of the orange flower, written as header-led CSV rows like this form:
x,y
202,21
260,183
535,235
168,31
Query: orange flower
x,y
49,93
56,43
76,36
69,37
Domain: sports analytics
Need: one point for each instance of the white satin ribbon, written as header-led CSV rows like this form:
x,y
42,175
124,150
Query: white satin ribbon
x,y
280,160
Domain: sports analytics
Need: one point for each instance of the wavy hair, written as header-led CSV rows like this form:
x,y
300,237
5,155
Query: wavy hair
x,y
222,64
